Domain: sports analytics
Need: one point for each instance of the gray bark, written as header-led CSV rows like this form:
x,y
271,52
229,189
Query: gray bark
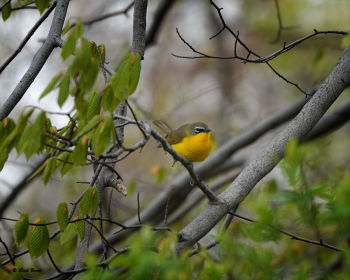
x,y
267,159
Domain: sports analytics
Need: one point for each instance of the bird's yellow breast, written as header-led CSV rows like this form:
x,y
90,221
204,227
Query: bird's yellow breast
x,y
194,147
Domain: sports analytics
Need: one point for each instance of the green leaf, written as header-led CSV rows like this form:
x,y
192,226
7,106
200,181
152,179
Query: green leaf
x,y
3,157
66,167
124,81
79,153
88,203
109,102
62,215
39,239
85,203
102,135
135,70
21,228
69,45
7,128
89,126
35,131
52,84
85,66
82,107
66,27
68,234
42,5
291,163
94,105
6,11
64,89
12,138
93,48
80,228
49,169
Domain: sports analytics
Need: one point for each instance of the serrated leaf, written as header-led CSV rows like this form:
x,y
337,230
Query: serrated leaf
x,y
3,157
86,202
21,228
94,105
109,101
135,70
6,11
68,234
11,140
80,228
93,48
89,202
85,66
124,81
67,166
82,107
63,89
42,5
69,45
62,215
35,131
39,239
102,135
49,169
52,84
7,125
79,153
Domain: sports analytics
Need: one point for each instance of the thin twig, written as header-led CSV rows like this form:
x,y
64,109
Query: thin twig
x,y
7,251
138,207
106,16
28,36
293,236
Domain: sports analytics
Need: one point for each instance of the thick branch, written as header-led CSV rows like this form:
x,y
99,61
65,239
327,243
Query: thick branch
x,y
266,160
139,27
331,121
53,40
158,19
179,188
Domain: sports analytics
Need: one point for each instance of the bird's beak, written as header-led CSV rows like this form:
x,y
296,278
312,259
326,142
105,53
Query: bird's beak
x,y
208,130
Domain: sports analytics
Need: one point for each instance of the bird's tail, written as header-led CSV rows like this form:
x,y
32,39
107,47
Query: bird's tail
x,y
163,126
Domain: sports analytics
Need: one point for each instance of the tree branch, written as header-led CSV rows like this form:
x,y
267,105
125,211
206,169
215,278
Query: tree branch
x,y
20,186
266,160
28,36
159,16
53,40
139,27
180,187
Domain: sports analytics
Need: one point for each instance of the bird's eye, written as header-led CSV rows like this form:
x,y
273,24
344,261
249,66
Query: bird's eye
x,y
199,129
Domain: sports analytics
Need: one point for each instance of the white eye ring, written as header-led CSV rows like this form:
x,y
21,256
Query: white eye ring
x,y
199,129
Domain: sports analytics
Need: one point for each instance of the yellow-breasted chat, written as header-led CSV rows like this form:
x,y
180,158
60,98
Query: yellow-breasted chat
x,y
191,140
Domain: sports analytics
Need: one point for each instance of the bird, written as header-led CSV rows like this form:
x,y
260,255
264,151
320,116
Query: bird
x,y
191,140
